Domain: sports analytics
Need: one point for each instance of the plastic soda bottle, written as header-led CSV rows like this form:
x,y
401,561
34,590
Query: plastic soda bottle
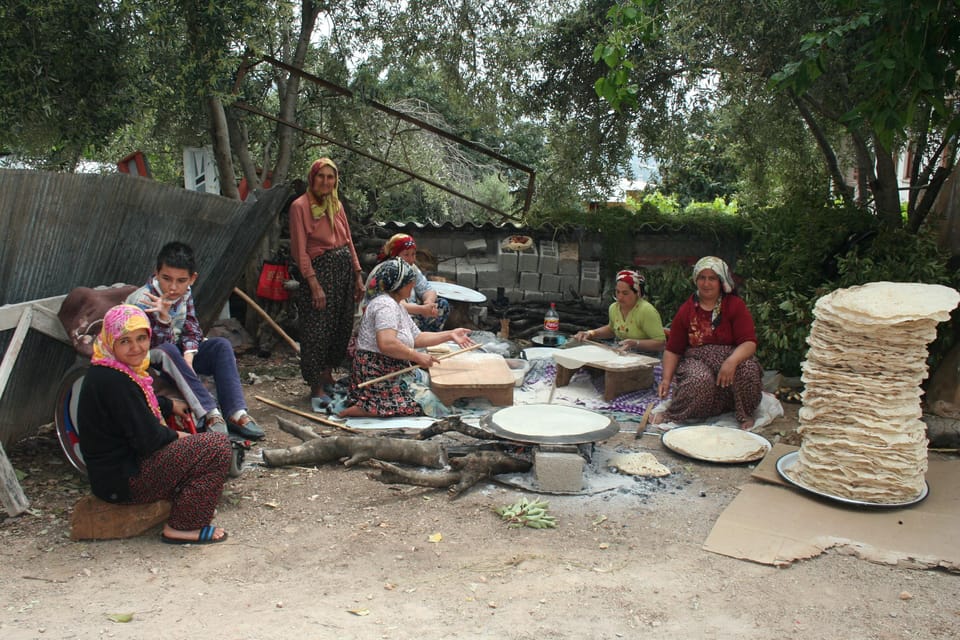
x,y
551,321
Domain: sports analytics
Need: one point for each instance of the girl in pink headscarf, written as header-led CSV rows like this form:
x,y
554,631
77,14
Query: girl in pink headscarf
x,y
633,321
130,455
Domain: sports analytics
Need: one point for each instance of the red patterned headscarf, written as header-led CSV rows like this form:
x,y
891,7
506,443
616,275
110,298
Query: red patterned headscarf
x,y
397,244
633,279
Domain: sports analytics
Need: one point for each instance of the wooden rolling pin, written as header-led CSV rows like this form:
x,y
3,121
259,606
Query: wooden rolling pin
x,y
416,366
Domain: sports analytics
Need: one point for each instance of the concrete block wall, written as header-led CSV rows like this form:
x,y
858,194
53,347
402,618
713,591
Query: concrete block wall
x,y
551,270
547,272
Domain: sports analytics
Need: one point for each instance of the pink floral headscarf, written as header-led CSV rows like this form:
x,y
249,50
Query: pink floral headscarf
x,y
119,321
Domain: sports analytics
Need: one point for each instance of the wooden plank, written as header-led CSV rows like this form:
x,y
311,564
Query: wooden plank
x,y
11,494
13,349
10,313
48,323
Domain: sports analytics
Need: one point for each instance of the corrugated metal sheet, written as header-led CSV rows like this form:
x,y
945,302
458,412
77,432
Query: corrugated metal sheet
x,y
61,231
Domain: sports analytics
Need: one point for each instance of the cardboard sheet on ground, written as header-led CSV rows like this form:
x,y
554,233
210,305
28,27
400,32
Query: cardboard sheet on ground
x,y
772,523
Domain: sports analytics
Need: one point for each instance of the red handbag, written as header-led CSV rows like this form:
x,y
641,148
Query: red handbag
x,y
272,277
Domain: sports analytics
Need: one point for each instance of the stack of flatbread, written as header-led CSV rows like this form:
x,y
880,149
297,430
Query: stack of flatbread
x,y
863,439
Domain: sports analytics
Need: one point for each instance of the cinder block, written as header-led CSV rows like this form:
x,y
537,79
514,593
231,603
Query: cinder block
x,y
589,284
568,254
514,295
548,262
529,280
507,260
532,296
528,260
552,296
594,302
549,283
94,519
488,275
448,269
590,266
558,471
509,278
475,246
436,245
466,274
591,250
569,285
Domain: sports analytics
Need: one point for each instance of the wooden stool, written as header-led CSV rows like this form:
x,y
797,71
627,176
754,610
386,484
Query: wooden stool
x,y
473,375
622,373
94,519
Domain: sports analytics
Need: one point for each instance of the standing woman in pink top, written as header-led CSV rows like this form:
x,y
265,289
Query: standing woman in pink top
x,y
330,280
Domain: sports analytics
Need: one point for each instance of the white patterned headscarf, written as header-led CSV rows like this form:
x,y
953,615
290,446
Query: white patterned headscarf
x,y
719,267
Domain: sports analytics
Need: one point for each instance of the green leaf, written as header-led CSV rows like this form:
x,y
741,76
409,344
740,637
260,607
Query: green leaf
x,y
120,617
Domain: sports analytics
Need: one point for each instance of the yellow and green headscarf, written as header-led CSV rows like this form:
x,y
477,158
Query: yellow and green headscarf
x,y
323,206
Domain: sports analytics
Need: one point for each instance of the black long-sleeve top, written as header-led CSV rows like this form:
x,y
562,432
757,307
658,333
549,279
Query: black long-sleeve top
x,y
116,429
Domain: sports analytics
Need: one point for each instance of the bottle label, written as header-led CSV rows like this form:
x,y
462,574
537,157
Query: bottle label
x,y
551,324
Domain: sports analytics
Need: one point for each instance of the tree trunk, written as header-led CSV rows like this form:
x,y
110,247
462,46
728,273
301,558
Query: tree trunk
x,y
220,136
357,449
290,91
886,188
843,189
382,452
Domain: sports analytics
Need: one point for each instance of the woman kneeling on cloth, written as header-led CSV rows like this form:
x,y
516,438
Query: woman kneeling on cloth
x,y
711,350
387,342
132,457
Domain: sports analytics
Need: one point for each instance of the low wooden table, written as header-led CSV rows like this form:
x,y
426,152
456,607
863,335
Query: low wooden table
x,y
622,373
473,375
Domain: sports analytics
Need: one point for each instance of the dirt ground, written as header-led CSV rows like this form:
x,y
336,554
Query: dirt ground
x,y
329,553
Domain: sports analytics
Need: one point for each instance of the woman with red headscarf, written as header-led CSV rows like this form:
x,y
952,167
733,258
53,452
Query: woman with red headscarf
x,y
329,274
429,311
633,321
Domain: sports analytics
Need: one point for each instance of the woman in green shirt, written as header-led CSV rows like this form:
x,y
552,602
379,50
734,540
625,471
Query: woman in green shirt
x,y
633,322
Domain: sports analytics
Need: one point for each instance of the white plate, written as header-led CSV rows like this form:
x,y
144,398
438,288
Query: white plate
x,y
457,293
788,460
738,433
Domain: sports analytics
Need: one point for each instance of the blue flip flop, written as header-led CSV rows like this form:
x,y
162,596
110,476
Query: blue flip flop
x,y
319,403
205,537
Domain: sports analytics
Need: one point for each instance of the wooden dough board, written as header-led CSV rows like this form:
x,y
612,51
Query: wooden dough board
x,y
473,375
623,373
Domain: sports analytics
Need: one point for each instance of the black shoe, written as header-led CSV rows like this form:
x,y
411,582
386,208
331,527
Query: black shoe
x,y
246,427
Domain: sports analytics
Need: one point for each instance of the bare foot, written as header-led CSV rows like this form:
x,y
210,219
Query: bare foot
x,y
746,425
658,418
206,535
355,411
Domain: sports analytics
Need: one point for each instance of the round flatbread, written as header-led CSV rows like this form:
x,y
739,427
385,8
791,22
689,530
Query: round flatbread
x,y
638,464
716,444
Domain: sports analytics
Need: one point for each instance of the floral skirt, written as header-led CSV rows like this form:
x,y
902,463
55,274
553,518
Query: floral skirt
x,y
697,395
324,333
390,397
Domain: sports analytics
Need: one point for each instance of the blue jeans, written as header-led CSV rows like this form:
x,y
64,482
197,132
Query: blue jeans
x,y
214,358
